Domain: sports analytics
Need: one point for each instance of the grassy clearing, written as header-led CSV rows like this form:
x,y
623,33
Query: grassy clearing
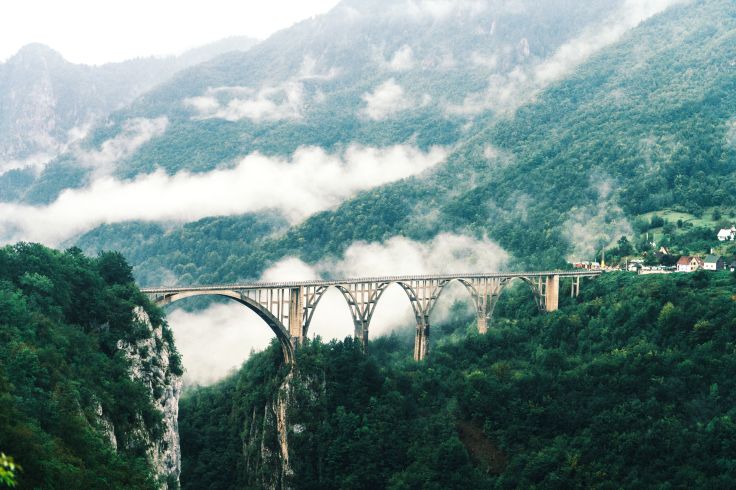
x,y
706,220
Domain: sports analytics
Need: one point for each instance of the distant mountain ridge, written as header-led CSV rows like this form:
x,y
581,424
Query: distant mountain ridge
x,y
47,103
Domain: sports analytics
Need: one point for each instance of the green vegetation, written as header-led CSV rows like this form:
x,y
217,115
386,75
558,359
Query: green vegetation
x,y
644,126
61,316
628,386
8,470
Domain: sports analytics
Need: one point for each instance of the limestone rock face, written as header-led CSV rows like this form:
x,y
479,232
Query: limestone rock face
x,y
150,364
267,436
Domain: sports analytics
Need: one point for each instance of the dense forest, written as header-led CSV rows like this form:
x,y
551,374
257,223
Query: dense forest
x,y
627,386
64,382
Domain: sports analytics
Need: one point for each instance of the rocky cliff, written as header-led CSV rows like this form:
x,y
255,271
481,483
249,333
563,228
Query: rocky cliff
x,y
150,364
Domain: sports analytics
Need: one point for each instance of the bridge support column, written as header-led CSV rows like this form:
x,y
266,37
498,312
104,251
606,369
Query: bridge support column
x,y
485,295
296,330
552,293
421,340
361,333
575,290
483,322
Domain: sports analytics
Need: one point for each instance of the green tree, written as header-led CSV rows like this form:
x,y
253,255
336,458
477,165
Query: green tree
x,y
8,470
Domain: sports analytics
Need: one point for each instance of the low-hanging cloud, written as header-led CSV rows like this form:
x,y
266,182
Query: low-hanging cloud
x,y
35,162
571,54
600,225
310,181
284,101
403,59
52,148
386,100
507,91
217,340
134,134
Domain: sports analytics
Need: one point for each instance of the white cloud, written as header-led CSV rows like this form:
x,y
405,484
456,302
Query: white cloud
x,y
571,54
217,340
103,161
51,149
591,227
403,59
486,61
35,162
506,92
437,10
312,180
285,101
268,103
135,133
387,99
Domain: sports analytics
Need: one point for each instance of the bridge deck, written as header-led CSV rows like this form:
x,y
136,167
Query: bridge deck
x,y
360,280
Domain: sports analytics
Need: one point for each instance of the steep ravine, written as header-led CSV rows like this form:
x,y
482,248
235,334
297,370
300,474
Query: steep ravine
x,y
258,419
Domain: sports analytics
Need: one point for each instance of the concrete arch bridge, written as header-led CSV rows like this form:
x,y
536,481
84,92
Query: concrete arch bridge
x,y
288,307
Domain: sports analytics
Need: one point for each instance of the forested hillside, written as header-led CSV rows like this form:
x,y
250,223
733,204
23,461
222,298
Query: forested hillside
x,y
374,73
645,124
70,414
628,386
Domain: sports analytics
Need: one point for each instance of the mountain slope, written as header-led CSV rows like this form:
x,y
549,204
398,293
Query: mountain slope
x,y
644,124
88,380
48,103
370,73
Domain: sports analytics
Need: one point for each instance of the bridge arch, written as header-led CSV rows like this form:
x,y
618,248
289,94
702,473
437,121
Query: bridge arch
x,y
273,323
313,300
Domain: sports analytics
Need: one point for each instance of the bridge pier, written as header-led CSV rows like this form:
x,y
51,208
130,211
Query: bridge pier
x,y
296,305
552,293
575,290
360,332
421,339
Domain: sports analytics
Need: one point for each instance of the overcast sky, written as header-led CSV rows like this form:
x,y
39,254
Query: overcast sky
x,y
100,31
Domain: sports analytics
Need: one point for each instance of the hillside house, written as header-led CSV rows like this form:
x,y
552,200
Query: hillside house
x,y
713,263
727,234
732,267
689,264
683,265
696,263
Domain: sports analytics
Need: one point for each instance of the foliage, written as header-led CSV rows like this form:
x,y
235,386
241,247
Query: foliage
x,y
627,386
8,470
61,316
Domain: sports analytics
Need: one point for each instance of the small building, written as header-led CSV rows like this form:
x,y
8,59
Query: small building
x,y
713,263
727,234
732,267
696,263
635,265
683,264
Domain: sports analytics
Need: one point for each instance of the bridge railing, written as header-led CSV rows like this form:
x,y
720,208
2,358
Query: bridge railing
x,y
379,279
